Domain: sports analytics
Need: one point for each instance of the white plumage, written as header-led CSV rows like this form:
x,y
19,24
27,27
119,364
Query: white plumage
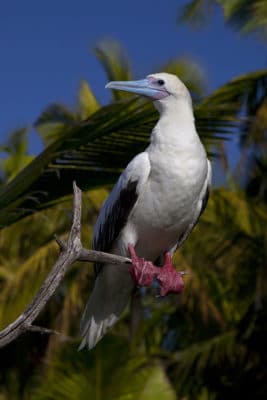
x,y
154,205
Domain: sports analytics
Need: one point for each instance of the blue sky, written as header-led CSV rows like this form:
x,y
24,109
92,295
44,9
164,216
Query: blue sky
x,y
46,50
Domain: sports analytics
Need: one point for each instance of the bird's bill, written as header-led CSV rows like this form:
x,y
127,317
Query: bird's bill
x,y
143,87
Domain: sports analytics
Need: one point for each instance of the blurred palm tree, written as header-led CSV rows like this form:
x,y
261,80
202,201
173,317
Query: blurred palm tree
x,y
15,155
247,17
244,15
27,250
180,343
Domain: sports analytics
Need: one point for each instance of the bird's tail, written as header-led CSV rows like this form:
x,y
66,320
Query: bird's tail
x,y
110,296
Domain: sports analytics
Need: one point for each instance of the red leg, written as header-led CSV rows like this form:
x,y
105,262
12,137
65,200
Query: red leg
x,y
169,279
143,272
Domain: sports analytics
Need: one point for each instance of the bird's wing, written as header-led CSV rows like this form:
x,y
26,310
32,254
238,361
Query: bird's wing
x,y
121,201
206,191
204,197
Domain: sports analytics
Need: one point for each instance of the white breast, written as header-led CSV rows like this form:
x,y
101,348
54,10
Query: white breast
x,y
167,205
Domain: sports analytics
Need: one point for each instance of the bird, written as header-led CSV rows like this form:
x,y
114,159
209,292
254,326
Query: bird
x,y
152,208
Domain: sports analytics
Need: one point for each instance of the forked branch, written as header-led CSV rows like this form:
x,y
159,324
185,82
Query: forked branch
x,y
70,252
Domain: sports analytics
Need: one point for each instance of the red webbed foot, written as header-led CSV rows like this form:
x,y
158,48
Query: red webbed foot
x,y
169,279
143,272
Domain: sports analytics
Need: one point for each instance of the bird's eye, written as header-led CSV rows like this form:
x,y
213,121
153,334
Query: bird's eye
x,y
160,82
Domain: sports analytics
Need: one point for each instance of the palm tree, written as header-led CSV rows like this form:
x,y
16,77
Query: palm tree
x,y
228,253
244,15
16,155
178,343
27,250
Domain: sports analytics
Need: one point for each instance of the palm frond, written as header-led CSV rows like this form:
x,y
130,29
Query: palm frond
x,y
92,153
53,122
247,16
88,103
195,12
243,15
192,364
230,234
115,62
233,105
74,375
191,74
16,295
95,151
15,152
28,253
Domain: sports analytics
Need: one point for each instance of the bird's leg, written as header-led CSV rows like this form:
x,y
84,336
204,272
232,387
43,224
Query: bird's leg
x,y
169,279
143,272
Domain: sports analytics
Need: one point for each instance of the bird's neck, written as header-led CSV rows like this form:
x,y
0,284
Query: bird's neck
x,y
176,125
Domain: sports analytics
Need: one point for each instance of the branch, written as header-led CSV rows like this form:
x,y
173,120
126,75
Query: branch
x,y
70,252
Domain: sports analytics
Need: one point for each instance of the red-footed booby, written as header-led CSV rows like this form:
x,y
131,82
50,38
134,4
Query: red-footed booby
x,y
152,209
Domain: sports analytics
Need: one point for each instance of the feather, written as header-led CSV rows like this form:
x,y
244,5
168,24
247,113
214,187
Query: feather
x,y
157,199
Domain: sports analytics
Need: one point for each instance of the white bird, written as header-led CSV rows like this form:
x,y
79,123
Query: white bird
x,y
154,206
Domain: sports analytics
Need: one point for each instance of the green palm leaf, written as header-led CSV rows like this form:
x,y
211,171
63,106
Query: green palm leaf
x,y
95,151
190,73
16,155
55,120
190,365
110,372
115,62
244,15
88,103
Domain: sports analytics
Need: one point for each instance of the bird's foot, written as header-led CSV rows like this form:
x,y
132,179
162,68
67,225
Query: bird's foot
x,y
169,279
142,272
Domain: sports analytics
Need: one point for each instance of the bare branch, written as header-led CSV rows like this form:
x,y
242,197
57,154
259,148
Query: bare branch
x,y
41,329
62,245
70,252
100,256
46,331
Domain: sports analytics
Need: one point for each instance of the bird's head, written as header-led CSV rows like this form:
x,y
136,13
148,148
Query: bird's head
x,y
162,87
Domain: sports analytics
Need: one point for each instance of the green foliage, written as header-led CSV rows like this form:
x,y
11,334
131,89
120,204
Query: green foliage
x,y
74,375
56,120
192,75
196,12
16,156
52,123
28,250
208,343
95,151
87,101
244,15
115,62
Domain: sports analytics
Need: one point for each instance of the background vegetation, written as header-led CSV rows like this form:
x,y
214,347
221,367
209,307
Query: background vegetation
x,y
210,342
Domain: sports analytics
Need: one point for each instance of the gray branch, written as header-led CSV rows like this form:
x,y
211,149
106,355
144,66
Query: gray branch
x,y
70,251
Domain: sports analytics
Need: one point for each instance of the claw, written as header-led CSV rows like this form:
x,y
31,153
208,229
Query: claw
x,y
169,279
142,272
182,273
